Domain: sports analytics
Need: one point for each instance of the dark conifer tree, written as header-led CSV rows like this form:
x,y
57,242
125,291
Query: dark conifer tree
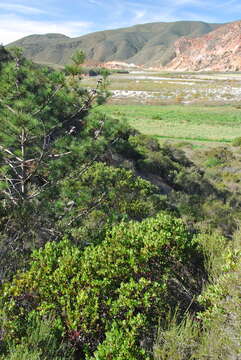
x,y
42,115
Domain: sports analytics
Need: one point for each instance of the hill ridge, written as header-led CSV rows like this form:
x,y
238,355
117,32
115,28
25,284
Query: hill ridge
x,y
143,44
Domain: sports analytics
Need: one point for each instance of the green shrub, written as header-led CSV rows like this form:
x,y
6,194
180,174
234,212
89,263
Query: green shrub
x,y
177,155
220,216
102,196
108,298
218,156
237,141
143,143
157,163
157,117
212,162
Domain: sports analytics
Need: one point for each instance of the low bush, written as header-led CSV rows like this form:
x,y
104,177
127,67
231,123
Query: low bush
x,y
104,195
237,141
107,300
218,156
213,162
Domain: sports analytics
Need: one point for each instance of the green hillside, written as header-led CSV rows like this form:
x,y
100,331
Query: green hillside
x,y
112,245
149,44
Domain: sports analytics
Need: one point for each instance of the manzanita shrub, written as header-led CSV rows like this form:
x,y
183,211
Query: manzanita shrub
x,y
104,195
107,299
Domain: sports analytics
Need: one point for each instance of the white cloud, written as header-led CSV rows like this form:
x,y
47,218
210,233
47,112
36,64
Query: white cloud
x,y
13,27
17,8
162,11
177,3
140,14
20,19
95,2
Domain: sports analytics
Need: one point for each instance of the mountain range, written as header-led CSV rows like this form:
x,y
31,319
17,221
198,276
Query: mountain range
x,y
148,44
182,45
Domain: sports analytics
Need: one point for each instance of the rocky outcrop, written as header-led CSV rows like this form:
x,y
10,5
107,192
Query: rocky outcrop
x,y
219,50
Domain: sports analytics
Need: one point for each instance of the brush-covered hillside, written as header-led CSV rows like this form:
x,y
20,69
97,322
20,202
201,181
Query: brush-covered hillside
x,y
148,44
111,245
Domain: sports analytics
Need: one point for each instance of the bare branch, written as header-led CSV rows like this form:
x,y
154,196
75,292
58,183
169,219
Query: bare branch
x,y
14,186
39,160
10,153
56,156
14,168
10,197
36,193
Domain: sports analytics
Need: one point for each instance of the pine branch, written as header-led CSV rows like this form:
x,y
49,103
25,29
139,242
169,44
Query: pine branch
x,y
85,212
8,107
48,100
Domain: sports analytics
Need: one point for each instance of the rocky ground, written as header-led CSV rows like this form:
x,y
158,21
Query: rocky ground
x,y
221,88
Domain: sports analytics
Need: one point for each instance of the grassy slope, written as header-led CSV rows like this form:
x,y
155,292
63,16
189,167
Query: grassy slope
x,y
141,44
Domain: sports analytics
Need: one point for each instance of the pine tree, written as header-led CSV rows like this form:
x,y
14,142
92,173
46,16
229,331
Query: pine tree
x,y
42,116
39,109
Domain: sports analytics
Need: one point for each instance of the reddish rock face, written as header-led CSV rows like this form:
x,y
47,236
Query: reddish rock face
x,y
219,50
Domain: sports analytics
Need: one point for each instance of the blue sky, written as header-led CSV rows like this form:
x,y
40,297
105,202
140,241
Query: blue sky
x,y
19,18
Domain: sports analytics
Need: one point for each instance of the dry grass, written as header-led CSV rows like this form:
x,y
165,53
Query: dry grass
x,y
217,334
180,87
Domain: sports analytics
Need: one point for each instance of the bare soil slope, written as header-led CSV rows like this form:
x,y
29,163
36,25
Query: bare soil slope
x,y
149,44
219,50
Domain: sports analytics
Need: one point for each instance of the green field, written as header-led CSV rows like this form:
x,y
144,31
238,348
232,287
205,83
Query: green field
x,y
179,122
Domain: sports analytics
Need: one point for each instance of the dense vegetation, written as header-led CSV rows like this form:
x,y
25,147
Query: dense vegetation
x,y
111,245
